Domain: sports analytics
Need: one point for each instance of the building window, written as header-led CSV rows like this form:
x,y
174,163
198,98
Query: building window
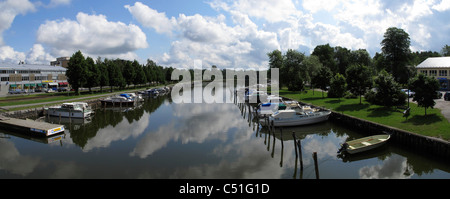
x,y
424,72
433,72
5,79
443,73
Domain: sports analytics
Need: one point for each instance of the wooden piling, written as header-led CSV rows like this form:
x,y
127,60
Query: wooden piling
x,y
299,145
281,137
295,146
316,166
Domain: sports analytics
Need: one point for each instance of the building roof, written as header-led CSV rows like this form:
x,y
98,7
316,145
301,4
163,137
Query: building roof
x,y
10,66
435,62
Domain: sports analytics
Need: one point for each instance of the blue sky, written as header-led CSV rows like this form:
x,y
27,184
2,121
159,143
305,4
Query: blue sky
x,y
221,32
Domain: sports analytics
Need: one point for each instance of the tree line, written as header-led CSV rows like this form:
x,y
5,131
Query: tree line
x,y
345,72
86,73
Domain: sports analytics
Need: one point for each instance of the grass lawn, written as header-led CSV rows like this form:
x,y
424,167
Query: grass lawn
x,y
433,124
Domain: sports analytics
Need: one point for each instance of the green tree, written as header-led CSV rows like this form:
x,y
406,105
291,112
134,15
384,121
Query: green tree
x,y
326,56
103,69
115,74
387,93
129,73
425,90
140,74
76,71
275,61
312,65
342,59
359,80
445,50
338,86
322,78
293,70
92,74
395,47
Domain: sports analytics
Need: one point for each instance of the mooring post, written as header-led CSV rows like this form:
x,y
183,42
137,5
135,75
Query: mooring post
x,y
299,145
281,137
295,146
316,166
272,127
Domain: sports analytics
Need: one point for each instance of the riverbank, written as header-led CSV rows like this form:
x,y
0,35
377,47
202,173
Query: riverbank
x,y
434,124
23,103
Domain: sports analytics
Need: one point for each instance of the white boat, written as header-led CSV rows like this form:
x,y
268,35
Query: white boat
x,y
256,96
121,100
275,104
364,144
137,98
283,118
72,110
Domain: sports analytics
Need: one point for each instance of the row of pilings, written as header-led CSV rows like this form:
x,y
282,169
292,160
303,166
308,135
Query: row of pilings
x,y
248,112
426,145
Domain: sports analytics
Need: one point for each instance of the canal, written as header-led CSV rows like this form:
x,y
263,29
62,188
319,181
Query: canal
x,y
164,140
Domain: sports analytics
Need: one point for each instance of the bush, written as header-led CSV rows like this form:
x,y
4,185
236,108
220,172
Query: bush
x,y
387,93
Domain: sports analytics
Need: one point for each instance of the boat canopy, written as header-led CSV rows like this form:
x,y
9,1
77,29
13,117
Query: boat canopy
x,y
125,95
284,114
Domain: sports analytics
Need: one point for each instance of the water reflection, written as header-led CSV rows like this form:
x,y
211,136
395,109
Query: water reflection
x,y
160,139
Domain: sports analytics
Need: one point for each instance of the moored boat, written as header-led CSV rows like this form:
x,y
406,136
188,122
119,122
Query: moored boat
x,y
364,144
284,118
121,100
72,110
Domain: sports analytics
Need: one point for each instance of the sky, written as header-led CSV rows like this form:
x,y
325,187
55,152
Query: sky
x,y
228,34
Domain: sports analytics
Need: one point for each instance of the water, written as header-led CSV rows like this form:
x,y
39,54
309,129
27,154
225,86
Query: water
x,y
161,139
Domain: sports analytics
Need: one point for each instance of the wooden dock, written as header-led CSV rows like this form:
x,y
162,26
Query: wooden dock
x,y
30,126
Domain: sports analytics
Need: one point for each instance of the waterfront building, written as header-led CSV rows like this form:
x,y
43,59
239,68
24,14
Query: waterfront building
x,y
438,67
28,78
61,61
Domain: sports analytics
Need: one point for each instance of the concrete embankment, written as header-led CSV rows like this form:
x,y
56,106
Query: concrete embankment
x,y
39,112
429,146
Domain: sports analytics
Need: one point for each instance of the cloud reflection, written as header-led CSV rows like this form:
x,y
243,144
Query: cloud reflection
x,y
12,161
121,131
394,167
192,123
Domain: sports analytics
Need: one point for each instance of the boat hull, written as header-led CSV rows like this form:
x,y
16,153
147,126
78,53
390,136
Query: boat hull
x,y
71,114
117,103
366,144
306,120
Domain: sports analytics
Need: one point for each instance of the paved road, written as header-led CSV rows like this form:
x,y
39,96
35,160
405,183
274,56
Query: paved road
x,y
444,106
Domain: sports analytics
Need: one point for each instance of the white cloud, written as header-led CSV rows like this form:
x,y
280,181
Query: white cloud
x,y
151,18
37,55
443,6
271,11
9,10
94,35
8,54
212,40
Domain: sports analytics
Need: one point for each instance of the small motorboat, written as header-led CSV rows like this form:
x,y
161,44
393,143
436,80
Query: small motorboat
x,y
364,144
286,118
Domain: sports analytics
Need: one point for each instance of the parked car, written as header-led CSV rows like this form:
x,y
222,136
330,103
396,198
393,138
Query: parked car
x,y
438,95
447,96
50,90
16,91
410,94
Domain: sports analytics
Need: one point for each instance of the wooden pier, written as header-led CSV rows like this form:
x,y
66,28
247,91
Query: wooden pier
x,y
30,126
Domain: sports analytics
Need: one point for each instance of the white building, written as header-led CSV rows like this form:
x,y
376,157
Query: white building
x,y
25,78
438,67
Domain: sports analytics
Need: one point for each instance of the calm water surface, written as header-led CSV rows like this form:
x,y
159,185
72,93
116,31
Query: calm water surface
x,y
161,139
